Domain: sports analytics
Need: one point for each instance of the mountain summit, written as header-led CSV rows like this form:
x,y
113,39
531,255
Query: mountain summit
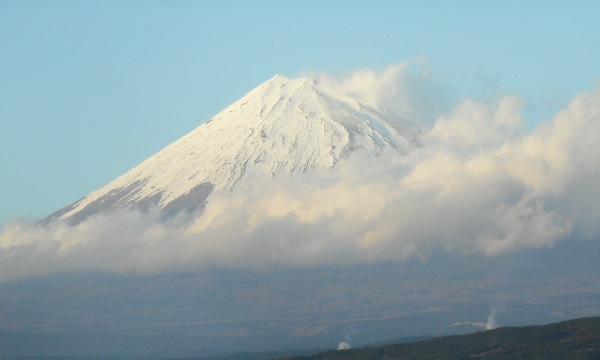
x,y
284,126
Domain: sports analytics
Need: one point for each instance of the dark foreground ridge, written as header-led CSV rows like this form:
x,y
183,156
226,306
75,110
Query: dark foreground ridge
x,y
573,339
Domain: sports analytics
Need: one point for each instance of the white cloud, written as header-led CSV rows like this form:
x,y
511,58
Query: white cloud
x,y
408,88
479,184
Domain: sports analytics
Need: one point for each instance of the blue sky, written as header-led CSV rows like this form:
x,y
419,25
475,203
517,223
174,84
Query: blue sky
x,y
89,89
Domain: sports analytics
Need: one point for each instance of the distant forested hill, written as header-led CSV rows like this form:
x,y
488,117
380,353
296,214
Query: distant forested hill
x,y
573,339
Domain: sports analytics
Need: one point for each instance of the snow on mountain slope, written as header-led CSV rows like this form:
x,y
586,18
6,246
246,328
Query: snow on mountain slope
x,y
283,126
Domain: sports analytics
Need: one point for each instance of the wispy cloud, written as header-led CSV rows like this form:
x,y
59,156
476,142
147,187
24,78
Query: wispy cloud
x,y
478,184
408,88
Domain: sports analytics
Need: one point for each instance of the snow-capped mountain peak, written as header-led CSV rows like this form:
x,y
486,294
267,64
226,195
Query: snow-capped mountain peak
x,y
284,126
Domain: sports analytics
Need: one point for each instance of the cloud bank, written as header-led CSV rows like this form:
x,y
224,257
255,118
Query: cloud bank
x,y
478,184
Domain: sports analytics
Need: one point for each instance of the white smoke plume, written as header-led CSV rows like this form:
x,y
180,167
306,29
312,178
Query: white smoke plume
x,y
491,321
478,184
344,346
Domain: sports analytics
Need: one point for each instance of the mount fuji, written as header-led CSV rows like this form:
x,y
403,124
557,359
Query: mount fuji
x,y
283,127
302,216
